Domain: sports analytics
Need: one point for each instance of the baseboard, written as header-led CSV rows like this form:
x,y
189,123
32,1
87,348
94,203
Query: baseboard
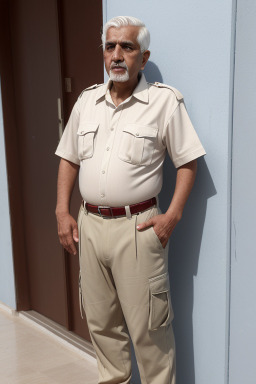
x,y
7,309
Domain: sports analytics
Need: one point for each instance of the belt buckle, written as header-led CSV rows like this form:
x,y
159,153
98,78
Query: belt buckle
x,y
105,207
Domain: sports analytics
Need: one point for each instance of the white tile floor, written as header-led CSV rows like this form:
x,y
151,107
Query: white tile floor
x,y
30,356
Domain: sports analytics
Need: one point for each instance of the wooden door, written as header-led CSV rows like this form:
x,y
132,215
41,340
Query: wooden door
x,y
47,39
82,62
37,84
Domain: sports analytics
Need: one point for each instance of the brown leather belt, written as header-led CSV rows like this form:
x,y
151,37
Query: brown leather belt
x,y
105,211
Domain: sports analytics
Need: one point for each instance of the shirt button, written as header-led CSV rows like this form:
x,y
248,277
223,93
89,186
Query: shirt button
x,y
108,148
102,195
112,128
137,134
103,171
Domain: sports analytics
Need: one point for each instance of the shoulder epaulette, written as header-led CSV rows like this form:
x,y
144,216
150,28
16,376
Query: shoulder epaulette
x,y
90,88
177,93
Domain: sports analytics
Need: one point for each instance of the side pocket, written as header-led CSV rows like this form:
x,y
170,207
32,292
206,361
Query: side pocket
x,y
80,295
154,212
79,224
79,215
160,307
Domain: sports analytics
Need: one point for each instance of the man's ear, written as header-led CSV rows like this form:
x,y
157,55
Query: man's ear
x,y
145,58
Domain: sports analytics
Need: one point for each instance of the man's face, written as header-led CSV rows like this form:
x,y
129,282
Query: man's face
x,y
122,55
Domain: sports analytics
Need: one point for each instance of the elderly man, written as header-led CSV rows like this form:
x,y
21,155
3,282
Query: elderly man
x,y
117,137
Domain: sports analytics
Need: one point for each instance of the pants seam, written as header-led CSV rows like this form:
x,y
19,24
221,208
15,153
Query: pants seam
x,y
81,303
169,360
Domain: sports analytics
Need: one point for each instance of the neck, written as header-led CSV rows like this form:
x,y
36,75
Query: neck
x,y
121,91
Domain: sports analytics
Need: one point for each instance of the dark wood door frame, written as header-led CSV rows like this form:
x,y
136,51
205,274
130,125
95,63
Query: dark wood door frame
x,y
80,25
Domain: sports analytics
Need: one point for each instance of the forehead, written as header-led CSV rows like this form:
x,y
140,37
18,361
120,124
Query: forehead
x,y
127,33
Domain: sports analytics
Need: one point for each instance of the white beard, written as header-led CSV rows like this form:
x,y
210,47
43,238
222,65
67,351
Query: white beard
x,y
119,78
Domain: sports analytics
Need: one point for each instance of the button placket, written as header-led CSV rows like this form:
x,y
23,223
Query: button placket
x,y
113,121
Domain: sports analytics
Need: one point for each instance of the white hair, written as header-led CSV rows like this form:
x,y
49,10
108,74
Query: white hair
x,y
143,37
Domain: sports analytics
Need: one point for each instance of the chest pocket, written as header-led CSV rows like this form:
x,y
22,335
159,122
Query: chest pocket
x,y
86,139
138,143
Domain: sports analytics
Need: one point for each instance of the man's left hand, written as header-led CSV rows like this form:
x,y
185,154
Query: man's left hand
x,y
163,226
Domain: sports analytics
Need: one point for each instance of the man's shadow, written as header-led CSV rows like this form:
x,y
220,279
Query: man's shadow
x,y
152,73
184,249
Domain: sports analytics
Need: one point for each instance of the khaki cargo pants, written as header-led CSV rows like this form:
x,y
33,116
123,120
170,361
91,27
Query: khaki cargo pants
x,y
125,290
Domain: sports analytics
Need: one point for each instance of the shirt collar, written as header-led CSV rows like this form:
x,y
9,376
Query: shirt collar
x,y
140,92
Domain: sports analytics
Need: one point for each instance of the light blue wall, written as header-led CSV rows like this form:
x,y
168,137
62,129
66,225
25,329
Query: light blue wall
x,y
7,287
192,49
243,277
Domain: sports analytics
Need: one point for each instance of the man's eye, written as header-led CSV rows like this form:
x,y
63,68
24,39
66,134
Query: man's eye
x,y
127,48
109,48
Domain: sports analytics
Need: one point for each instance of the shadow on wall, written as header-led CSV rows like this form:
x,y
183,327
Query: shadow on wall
x,y
184,250
152,73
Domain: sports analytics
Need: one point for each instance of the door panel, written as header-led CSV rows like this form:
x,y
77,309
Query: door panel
x,y
37,83
51,40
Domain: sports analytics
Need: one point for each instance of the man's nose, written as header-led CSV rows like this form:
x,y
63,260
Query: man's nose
x,y
117,54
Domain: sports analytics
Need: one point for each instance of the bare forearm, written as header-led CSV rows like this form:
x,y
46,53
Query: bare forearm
x,y
67,226
66,180
184,182
164,224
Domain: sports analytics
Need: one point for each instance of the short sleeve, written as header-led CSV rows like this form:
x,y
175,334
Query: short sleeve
x,y
181,139
67,148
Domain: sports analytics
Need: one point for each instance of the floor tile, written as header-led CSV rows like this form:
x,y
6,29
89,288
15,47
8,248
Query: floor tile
x,y
29,356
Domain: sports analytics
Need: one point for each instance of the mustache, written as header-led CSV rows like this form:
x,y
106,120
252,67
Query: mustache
x,y
118,65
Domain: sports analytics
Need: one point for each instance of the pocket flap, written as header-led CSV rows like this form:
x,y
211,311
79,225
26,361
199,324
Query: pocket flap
x,y
86,127
159,283
139,130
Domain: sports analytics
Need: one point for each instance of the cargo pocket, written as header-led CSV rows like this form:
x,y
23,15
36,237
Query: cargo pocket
x,y
86,139
138,144
160,307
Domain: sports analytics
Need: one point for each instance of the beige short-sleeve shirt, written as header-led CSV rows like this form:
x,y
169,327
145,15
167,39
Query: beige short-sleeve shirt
x,y
121,149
